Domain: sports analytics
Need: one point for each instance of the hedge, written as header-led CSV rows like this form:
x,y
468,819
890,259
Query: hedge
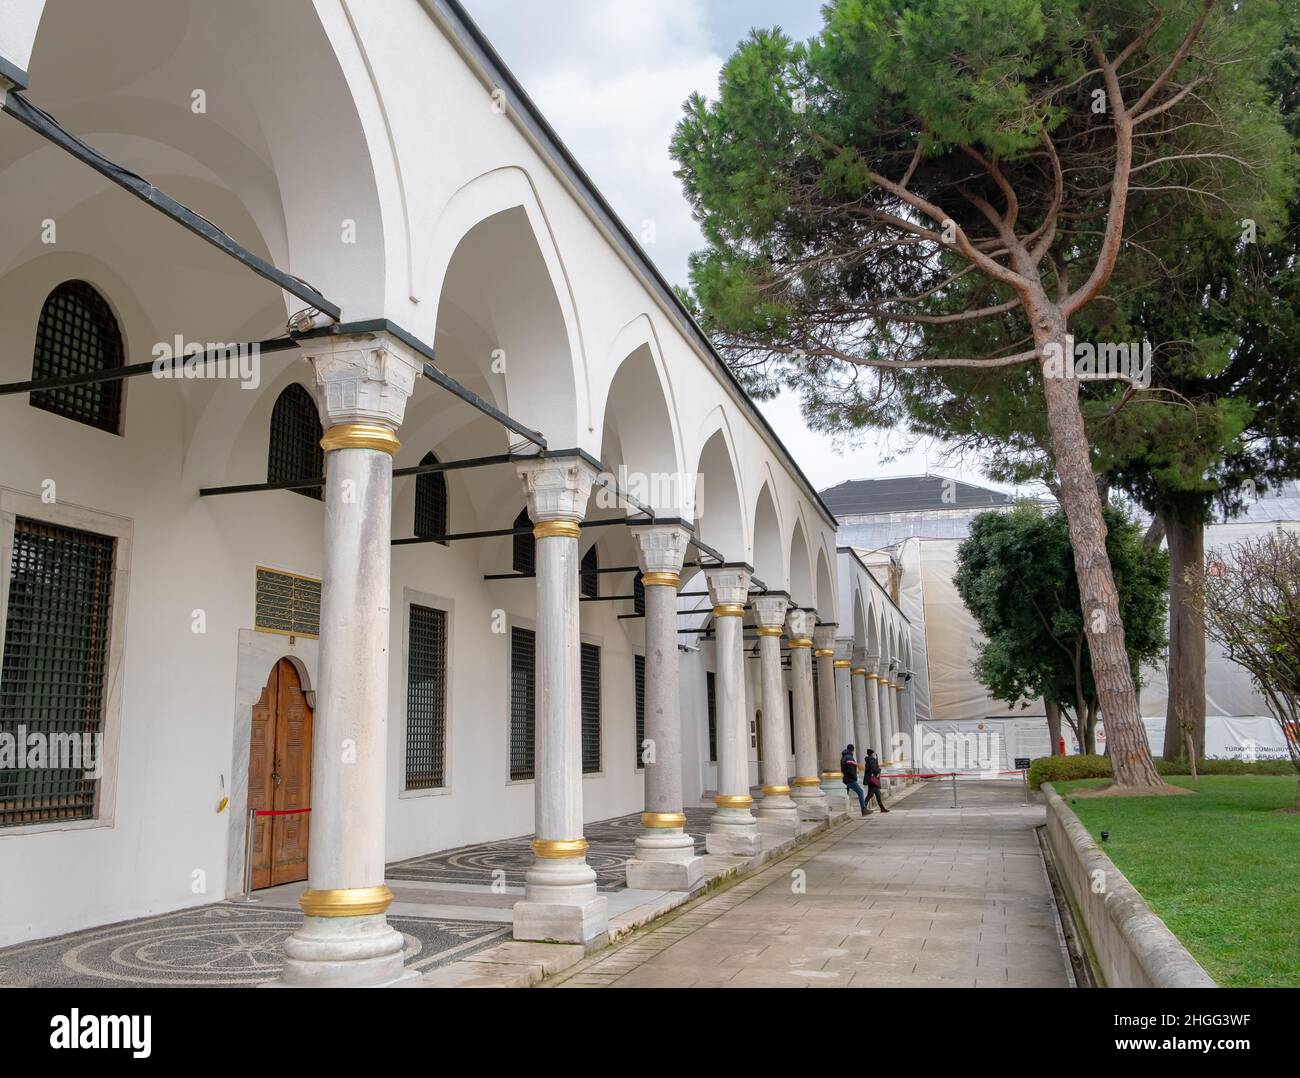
x,y
1068,768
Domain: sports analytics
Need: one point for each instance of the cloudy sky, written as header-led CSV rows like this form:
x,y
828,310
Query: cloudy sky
x,y
611,76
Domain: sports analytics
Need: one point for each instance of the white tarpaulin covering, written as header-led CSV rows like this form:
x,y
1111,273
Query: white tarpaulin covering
x,y
911,600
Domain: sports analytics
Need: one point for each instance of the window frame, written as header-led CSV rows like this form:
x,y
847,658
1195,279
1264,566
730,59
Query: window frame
x,y
316,494
530,626
593,642
118,429
414,597
15,504
436,482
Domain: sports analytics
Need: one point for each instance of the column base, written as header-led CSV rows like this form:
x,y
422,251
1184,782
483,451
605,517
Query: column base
x,y
809,801
777,815
343,952
837,794
665,860
560,903
733,833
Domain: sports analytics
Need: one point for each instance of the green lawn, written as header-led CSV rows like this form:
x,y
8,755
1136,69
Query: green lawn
x,y
1221,868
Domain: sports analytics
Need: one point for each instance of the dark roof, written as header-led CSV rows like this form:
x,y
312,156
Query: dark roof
x,y
909,494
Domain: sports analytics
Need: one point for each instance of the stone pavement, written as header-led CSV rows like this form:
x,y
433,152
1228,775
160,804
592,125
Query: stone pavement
x,y
927,896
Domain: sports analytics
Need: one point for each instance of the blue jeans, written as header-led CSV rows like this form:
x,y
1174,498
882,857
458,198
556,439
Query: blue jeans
x,y
856,787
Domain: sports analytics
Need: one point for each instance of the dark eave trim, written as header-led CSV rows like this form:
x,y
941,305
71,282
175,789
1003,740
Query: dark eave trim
x,y
13,74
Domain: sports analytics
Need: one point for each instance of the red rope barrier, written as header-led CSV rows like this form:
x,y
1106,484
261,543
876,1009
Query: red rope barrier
x,y
279,812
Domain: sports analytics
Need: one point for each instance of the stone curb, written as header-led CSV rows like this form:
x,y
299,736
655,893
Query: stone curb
x,y
1133,947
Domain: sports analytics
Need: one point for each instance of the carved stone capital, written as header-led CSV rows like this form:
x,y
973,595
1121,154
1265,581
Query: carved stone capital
x,y
824,637
557,488
366,378
800,624
660,548
728,586
769,611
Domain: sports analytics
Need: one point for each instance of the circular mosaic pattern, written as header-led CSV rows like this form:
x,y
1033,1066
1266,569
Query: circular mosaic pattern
x,y
227,947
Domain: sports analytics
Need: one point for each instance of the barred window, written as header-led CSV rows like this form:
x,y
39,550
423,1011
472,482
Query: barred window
x,y
432,517
639,675
426,699
790,715
52,674
638,595
77,334
590,708
523,545
523,701
294,451
287,603
590,577
712,694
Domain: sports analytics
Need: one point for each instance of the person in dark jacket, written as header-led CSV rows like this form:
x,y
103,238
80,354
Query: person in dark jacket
x,y
849,771
872,768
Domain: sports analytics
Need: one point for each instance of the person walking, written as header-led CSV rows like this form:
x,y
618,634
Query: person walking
x,y
872,768
849,772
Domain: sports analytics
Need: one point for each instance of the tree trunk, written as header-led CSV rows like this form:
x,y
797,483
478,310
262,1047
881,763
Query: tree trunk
x,y
1090,729
1186,639
1126,738
1053,726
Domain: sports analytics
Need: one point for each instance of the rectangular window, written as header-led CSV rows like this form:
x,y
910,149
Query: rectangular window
x,y
52,674
523,701
712,694
590,708
426,699
287,604
639,673
790,715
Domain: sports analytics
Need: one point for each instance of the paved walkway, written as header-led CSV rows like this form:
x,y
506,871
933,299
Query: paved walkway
x,y
927,896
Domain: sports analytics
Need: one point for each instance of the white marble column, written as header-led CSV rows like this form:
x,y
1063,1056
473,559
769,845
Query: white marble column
x,y
345,939
560,902
807,793
871,684
733,829
844,692
901,724
665,858
861,717
887,727
776,810
829,745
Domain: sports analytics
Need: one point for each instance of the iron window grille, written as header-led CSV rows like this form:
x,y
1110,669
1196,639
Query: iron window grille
x,y
432,515
77,334
590,709
711,691
590,575
295,451
426,699
639,675
53,672
523,701
523,560
638,595
789,714
286,603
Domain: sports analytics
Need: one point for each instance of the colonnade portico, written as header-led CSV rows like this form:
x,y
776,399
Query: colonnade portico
x,y
807,794
776,808
828,730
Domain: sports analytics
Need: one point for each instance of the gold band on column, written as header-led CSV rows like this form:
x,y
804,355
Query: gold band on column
x,y
824,653
559,847
775,791
360,436
807,780
873,677
858,671
667,580
729,610
831,776
801,642
842,664
769,630
663,819
346,902
553,529
733,801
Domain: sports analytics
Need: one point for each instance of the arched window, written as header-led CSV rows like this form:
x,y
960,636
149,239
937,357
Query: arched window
x,y
590,579
523,559
295,451
431,513
77,334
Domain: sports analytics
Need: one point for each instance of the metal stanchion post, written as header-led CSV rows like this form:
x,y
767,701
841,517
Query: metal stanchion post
x,y
248,898
954,789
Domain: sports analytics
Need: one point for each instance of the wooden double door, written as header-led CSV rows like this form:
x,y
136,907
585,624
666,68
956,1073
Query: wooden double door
x,y
279,778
